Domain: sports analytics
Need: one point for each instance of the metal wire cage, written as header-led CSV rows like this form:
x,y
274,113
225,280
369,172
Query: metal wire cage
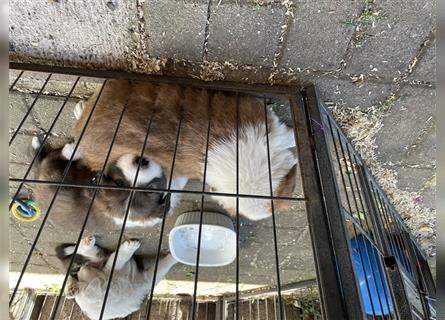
x,y
367,264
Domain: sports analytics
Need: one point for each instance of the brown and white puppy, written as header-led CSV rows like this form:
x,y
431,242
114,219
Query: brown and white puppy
x,y
70,207
172,108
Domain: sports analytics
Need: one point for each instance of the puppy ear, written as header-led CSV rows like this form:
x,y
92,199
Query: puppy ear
x,y
36,144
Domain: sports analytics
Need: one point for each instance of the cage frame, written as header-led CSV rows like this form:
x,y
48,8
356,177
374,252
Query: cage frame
x,y
336,275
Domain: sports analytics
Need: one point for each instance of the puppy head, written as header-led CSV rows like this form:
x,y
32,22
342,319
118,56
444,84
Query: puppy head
x,y
147,208
52,160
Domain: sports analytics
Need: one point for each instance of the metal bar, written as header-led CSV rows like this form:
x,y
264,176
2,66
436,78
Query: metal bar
x,y
127,210
418,276
206,193
328,114
375,222
16,131
16,80
392,232
350,180
275,240
401,306
42,225
398,236
331,292
375,218
42,145
237,209
354,165
428,278
195,289
382,214
91,202
164,217
428,287
383,281
354,220
340,168
377,228
216,85
344,283
355,202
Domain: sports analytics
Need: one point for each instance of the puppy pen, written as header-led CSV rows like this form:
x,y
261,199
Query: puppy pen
x,y
365,262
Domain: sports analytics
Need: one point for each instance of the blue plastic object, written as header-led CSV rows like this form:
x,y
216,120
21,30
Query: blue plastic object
x,y
373,286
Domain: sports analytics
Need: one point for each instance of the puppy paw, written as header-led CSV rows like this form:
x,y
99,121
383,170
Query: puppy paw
x,y
130,246
71,291
35,142
68,150
78,109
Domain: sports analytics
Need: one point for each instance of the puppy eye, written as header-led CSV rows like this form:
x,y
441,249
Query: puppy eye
x,y
144,162
119,182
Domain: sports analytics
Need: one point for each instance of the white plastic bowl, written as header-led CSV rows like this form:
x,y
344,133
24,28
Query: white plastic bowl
x,y
218,239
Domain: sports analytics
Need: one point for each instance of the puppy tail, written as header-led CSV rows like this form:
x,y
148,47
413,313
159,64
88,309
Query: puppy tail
x,y
65,250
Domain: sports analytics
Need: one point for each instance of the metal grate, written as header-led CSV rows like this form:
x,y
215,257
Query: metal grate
x,y
367,263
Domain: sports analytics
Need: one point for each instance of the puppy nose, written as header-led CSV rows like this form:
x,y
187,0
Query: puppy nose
x,y
144,162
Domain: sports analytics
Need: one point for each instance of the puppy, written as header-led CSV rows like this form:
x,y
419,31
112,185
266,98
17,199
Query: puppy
x,y
169,109
87,281
107,212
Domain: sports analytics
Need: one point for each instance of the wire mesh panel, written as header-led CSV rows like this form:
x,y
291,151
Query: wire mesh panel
x,y
375,231
116,157
55,171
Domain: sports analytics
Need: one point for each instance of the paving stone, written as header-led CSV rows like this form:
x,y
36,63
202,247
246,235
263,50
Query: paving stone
x,y
395,39
19,103
428,198
17,170
320,35
13,74
178,36
244,34
424,153
404,122
426,67
45,112
413,179
58,84
20,149
76,31
347,94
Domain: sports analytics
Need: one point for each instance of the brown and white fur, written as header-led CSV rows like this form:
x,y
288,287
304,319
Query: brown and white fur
x,y
70,207
87,283
167,104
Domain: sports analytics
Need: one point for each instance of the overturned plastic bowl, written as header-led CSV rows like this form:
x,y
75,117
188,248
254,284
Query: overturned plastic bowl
x,y
218,239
